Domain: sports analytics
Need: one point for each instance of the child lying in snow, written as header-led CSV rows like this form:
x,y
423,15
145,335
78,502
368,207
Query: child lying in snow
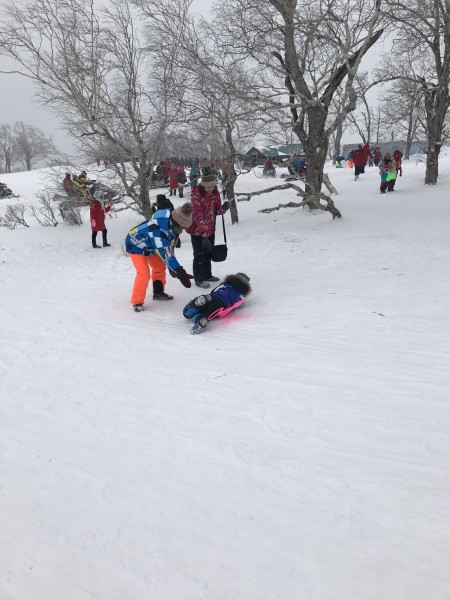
x,y
223,299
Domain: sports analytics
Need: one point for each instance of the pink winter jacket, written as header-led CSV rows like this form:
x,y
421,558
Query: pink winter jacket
x,y
206,206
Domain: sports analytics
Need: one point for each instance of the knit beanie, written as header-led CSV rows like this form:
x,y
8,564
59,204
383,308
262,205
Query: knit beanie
x,y
183,215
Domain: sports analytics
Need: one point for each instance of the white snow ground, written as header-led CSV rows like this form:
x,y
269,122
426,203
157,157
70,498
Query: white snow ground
x,y
297,450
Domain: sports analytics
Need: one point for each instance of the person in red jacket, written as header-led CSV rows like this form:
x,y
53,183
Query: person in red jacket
x,y
367,153
173,181
98,222
359,160
205,199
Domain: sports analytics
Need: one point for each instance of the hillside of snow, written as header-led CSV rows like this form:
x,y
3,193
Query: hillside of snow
x,y
297,450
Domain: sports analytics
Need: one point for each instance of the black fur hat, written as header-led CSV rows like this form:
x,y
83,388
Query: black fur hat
x,y
240,281
163,202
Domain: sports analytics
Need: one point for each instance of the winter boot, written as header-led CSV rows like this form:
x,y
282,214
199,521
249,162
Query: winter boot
x,y
200,322
212,278
138,307
202,300
158,291
190,310
94,240
105,241
202,284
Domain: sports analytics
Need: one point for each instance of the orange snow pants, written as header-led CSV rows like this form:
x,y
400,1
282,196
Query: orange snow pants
x,y
143,265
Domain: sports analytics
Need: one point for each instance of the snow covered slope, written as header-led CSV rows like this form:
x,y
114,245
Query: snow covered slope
x,y
297,450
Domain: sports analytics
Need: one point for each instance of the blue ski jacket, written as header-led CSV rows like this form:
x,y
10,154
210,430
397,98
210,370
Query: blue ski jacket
x,y
154,237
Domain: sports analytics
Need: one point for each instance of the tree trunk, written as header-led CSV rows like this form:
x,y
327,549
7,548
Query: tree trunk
x,y
432,171
144,197
436,106
409,135
229,186
315,145
338,140
232,176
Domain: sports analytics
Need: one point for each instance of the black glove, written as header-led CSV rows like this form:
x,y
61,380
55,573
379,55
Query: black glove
x,y
178,244
225,206
173,273
207,246
184,277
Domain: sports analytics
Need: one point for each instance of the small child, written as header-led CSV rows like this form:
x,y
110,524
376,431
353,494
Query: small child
x,y
223,299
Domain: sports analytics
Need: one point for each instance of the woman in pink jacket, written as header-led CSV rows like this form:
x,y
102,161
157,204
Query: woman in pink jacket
x,y
206,204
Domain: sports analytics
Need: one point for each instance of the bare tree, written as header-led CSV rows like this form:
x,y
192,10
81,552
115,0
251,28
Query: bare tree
x,y
45,213
403,111
111,93
14,215
211,75
31,144
306,52
422,55
6,146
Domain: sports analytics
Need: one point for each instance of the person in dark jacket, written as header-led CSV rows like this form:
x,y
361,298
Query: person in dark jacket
x,y
182,179
223,299
377,156
68,186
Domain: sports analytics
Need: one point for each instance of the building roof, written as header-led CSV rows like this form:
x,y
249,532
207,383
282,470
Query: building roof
x,y
283,151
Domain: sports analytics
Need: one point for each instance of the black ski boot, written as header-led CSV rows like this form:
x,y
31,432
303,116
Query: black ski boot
x,y
159,293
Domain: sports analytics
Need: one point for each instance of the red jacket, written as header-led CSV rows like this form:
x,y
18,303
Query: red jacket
x,y
359,158
98,216
206,206
367,152
173,179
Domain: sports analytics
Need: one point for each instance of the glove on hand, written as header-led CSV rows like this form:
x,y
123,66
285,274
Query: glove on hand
x,y
173,273
184,277
207,246
225,206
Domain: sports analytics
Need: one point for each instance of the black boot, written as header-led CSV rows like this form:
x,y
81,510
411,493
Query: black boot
x,y
158,291
94,240
105,242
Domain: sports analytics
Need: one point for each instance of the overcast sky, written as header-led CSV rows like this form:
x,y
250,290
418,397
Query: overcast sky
x,y
17,92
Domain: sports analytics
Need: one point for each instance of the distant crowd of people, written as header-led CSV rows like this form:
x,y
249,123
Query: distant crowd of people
x,y
390,166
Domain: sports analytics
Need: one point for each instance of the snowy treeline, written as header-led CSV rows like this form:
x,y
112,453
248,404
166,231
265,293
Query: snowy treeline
x,y
23,146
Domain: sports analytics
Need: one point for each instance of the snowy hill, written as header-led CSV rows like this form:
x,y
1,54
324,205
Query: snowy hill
x,y
297,450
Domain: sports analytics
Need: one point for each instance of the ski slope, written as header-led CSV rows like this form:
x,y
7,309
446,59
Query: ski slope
x,y
297,450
